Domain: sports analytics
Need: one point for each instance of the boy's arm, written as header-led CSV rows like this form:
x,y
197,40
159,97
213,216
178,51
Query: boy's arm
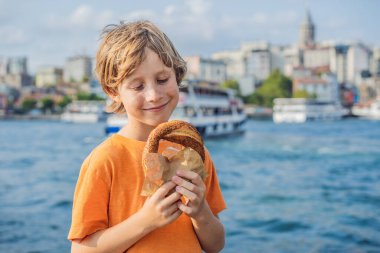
x,y
157,211
209,229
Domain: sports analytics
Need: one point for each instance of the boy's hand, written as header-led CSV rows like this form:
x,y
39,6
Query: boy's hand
x,y
190,185
161,209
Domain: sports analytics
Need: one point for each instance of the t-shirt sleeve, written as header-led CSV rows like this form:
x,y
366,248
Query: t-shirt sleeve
x,y
214,195
91,197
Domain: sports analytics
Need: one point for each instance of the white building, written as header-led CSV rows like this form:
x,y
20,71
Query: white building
x,y
338,61
252,63
234,62
77,69
17,65
326,88
48,76
292,59
206,69
358,60
375,62
316,57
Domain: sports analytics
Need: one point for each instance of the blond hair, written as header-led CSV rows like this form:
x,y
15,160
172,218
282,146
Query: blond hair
x,y
122,50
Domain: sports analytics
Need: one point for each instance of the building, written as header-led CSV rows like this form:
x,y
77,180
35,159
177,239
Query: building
x,y
375,62
307,32
14,72
292,59
316,57
77,69
48,76
338,61
252,63
358,60
17,66
325,88
206,69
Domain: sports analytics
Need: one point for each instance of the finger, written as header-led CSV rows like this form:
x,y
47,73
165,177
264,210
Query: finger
x,y
175,215
184,208
172,198
163,190
185,192
190,175
184,183
172,209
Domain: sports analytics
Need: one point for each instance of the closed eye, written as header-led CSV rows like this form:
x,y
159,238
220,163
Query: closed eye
x,y
137,87
162,81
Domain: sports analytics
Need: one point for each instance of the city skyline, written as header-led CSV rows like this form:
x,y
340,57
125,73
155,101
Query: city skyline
x,y
50,32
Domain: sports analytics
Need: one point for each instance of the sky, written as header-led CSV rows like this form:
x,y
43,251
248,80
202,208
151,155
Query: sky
x,y
48,31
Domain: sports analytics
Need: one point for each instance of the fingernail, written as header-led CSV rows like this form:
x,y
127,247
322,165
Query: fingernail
x,y
178,188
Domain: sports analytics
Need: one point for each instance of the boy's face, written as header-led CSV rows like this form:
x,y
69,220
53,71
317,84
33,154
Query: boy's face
x,y
151,93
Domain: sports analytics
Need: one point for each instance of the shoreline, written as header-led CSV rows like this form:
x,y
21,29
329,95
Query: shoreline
x,y
49,117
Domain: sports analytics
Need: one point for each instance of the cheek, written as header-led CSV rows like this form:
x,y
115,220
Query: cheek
x,y
132,101
174,91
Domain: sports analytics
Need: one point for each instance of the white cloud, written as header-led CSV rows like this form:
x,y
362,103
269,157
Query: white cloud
x,y
169,10
198,7
260,18
11,35
82,16
141,14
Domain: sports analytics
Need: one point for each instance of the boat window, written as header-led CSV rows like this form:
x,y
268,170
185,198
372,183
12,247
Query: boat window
x,y
190,111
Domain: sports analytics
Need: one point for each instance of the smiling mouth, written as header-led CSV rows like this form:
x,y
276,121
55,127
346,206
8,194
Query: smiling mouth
x,y
157,108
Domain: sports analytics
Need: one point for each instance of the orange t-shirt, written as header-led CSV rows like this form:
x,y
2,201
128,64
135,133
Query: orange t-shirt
x,y
108,192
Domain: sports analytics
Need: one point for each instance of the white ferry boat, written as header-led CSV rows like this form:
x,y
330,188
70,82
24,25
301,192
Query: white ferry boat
x,y
212,110
84,112
300,110
369,111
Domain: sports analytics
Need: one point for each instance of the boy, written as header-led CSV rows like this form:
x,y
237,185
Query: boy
x,y
140,70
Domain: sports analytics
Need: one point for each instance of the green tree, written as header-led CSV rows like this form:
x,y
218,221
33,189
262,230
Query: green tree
x,y
65,101
28,104
255,98
303,94
275,86
88,96
85,79
233,85
47,104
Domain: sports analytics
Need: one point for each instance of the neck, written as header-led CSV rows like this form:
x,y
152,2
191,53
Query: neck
x,y
136,132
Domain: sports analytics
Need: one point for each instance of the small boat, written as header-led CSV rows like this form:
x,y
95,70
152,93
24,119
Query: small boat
x,y
84,112
300,110
370,110
114,122
212,110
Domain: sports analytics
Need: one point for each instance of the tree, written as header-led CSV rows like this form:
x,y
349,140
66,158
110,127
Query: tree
x,y
47,104
233,85
29,104
275,86
303,94
65,101
88,96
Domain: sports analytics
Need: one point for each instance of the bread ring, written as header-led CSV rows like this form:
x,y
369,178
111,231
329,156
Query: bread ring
x,y
176,131
159,168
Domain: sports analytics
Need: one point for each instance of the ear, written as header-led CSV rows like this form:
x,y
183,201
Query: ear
x,y
115,97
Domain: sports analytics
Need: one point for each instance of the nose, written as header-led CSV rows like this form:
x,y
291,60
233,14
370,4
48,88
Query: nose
x,y
154,93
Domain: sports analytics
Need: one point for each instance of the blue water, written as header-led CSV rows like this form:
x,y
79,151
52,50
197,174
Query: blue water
x,y
313,187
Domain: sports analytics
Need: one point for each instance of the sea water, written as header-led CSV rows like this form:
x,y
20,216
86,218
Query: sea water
x,y
311,187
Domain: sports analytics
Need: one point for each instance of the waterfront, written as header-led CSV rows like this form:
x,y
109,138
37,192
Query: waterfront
x,y
289,188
